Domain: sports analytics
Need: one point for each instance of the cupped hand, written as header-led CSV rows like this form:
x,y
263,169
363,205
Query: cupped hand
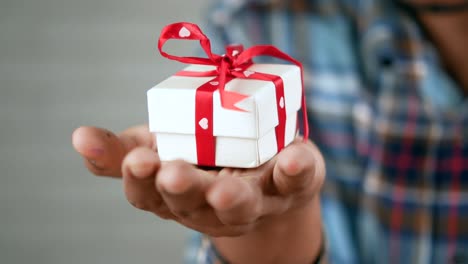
x,y
224,202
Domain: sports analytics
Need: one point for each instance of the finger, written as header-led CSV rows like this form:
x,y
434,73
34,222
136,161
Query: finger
x,y
139,170
299,167
183,188
237,201
103,151
137,136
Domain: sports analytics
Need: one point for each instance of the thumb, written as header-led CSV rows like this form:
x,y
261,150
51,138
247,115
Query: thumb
x,y
299,169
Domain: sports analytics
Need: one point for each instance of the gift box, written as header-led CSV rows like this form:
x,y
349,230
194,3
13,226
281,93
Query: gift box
x,y
225,110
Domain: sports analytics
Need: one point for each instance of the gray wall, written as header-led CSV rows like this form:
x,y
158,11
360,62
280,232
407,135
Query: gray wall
x,y
63,64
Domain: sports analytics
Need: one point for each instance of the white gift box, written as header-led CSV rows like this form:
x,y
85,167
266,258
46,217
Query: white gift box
x,y
243,139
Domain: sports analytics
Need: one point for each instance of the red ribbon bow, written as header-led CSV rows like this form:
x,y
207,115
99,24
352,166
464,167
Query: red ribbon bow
x,y
231,65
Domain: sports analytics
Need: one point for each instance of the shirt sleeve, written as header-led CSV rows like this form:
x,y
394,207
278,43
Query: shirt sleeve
x,y
202,251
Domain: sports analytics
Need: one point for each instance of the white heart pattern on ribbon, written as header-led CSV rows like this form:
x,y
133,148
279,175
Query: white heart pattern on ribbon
x,y
184,32
203,123
281,102
248,73
214,83
235,52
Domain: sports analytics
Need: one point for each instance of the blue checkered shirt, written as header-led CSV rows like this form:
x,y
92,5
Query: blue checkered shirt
x,y
389,120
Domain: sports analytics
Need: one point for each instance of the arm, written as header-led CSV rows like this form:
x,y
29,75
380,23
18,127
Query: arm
x,y
270,214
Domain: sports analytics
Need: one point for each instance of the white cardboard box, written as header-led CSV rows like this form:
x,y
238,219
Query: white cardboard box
x,y
243,139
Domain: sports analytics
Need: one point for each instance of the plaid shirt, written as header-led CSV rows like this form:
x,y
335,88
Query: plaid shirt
x,y
390,122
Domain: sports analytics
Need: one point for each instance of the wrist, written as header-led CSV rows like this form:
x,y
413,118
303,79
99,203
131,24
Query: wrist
x,y
292,237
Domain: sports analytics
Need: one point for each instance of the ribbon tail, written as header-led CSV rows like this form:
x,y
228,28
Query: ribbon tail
x,y
230,99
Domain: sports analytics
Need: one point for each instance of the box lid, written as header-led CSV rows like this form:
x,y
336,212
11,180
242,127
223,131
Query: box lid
x,y
171,103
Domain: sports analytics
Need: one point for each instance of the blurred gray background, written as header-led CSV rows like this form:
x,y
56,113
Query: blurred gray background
x,y
66,63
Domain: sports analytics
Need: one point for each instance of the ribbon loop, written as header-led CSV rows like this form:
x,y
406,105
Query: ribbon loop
x,y
187,31
227,66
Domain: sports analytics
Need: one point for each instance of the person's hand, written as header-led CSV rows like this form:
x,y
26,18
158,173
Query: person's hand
x,y
225,202
262,215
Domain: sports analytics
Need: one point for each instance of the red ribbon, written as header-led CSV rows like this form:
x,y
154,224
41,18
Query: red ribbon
x,y
232,65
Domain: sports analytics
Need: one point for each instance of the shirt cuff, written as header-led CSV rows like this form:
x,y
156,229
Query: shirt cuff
x,y
208,254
